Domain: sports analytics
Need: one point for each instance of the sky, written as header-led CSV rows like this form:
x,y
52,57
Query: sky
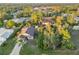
x,y
39,1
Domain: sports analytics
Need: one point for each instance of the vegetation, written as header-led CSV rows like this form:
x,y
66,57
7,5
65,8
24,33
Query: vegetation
x,y
36,17
7,46
10,24
53,26
1,23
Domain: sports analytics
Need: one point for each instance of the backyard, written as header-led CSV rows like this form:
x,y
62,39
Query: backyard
x,y
27,49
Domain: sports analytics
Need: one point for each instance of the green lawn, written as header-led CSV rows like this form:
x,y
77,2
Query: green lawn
x,y
32,49
7,46
27,49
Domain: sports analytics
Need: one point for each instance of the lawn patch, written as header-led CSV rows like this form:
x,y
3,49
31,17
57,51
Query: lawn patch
x,y
7,46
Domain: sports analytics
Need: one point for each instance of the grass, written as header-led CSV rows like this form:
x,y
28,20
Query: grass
x,y
27,49
32,49
7,46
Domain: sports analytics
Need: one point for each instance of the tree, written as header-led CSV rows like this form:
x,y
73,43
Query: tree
x,y
27,11
2,14
1,23
36,16
70,19
8,16
10,24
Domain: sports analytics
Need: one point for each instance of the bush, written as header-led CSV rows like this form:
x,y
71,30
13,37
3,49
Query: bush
x,y
1,23
10,24
8,16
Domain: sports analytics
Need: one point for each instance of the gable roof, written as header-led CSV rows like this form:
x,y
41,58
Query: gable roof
x,y
31,30
48,19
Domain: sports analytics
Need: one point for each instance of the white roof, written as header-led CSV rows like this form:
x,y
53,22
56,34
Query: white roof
x,y
76,18
76,28
4,34
2,40
18,20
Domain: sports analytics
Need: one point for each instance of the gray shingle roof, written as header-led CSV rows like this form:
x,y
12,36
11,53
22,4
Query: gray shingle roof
x,y
31,30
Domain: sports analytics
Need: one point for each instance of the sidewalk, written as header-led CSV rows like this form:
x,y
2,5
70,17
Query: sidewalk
x,y
16,49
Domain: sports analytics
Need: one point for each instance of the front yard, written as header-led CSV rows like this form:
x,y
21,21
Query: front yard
x,y
7,46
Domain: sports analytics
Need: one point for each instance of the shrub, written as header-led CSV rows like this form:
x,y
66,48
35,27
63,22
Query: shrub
x,y
10,24
1,23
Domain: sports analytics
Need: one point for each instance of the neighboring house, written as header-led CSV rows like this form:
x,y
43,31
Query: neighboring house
x,y
75,28
15,14
65,15
5,34
47,19
76,18
18,20
21,20
27,19
27,32
36,8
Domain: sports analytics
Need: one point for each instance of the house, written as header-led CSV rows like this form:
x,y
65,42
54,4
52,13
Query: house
x,y
76,18
21,20
47,19
64,14
30,31
36,8
75,28
27,32
18,20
